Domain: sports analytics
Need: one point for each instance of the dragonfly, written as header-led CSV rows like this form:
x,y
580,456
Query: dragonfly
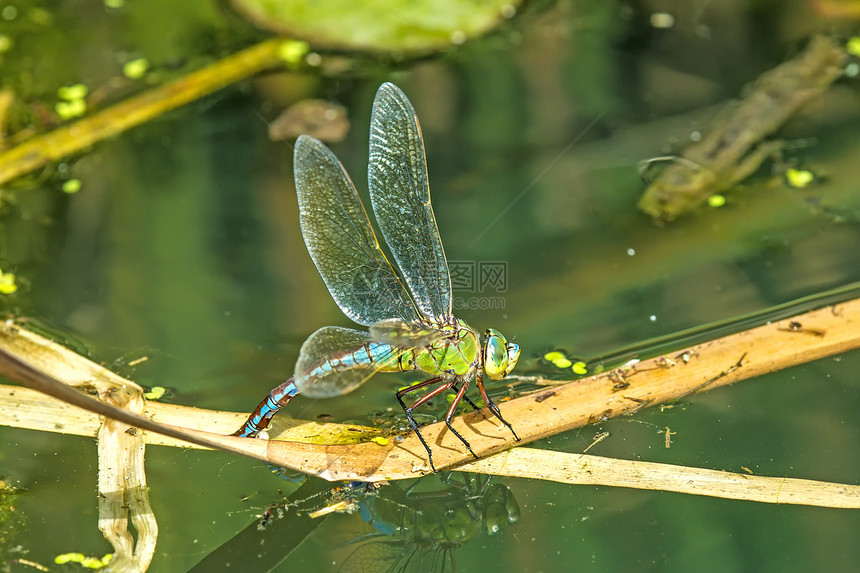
x,y
408,310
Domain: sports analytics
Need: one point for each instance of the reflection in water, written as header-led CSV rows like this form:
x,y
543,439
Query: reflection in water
x,y
419,528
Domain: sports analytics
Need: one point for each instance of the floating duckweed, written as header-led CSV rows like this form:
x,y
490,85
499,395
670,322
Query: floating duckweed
x,y
7,283
135,69
72,103
73,92
72,186
67,557
853,46
716,200
381,440
799,178
580,367
292,51
70,109
80,558
558,359
155,393
553,356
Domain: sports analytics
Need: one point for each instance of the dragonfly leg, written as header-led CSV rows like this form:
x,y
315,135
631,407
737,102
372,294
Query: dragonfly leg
x,y
492,405
452,383
412,422
470,403
460,393
263,413
429,396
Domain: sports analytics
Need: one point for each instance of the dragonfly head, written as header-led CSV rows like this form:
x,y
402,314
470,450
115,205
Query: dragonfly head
x,y
500,356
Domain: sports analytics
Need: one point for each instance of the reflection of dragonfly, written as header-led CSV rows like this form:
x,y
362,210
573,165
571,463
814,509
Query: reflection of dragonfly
x,y
409,329
419,531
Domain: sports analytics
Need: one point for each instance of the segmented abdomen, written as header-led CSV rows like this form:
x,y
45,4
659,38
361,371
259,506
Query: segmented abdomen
x,y
375,355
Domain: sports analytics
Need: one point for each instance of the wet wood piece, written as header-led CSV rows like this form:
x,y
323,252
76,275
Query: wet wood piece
x,y
586,469
318,118
733,148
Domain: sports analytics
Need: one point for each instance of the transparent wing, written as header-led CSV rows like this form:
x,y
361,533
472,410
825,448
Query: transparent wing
x,y
341,241
400,193
327,364
396,332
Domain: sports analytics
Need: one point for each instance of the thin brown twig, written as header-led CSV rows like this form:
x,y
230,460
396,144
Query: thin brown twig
x,y
75,137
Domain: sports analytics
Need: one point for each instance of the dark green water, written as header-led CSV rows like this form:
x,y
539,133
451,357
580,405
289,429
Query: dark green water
x,y
183,246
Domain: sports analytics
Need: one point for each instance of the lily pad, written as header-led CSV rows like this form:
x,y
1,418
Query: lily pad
x,y
412,26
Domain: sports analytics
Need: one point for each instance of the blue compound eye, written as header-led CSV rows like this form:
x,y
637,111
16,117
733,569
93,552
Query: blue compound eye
x,y
513,355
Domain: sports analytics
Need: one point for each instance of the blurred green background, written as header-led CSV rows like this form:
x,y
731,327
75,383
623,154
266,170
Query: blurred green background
x,y
182,245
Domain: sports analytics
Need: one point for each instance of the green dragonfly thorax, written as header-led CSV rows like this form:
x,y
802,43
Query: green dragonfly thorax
x,y
455,351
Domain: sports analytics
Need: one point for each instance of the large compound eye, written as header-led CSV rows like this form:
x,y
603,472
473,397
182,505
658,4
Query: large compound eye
x,y
498,354
513,355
